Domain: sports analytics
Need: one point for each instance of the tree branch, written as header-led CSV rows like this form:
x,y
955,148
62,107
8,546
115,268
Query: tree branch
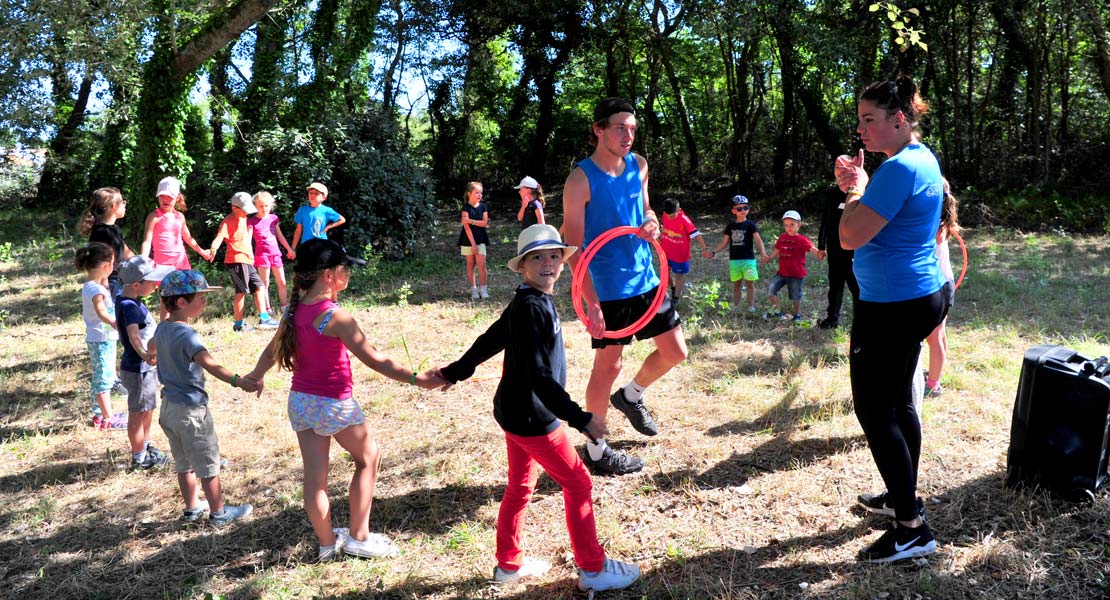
x,y
217,32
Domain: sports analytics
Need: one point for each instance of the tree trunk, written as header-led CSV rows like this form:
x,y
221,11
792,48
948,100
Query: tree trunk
x,y
663,28
399,33
1096,27
58,181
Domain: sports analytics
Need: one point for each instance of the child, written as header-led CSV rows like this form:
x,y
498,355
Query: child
x,y
529,404
314,221
98,221
312,342
140,278
97,261
267,254
790,249
473,239
166,232
677,232
532,203
740,236
239,261
185,418
938,339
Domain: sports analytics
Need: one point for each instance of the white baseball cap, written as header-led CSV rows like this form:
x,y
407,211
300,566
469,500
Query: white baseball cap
x,y
243,201
527,182
169,186
792,214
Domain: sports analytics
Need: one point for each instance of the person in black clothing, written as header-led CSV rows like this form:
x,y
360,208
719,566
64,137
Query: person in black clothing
x,y
529,405
840,260
98,221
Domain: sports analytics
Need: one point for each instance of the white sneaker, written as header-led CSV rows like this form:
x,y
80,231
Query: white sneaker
x,y
474,293
530,567
483,292
375,546
332,552
616,575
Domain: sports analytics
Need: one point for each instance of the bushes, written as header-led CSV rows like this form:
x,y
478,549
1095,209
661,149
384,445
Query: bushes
x,y
385,197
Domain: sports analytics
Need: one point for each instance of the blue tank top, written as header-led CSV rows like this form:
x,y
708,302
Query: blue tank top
x,y
622,268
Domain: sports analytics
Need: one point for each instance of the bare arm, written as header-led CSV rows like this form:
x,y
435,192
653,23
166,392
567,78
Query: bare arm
x,y
192,243
221,235
330,226
466,228
539,216
137,342
296,236
721,246
759,242
576,195
343,326
102,311
650,229
148,234
281,239
205,360
859,223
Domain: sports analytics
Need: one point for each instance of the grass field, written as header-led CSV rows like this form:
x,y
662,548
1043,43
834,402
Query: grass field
x,y
748,490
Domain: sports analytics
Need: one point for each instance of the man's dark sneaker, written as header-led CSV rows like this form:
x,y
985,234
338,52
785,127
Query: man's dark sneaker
x,y
636,412
901,543
827,323
880,504
613,462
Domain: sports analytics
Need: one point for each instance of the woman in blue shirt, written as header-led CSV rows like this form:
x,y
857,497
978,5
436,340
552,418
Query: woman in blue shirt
x,y
890,222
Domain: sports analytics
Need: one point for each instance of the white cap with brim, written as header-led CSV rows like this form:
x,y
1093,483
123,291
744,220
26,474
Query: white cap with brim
x,y
792,214
539,237
527,182
169,186
243,202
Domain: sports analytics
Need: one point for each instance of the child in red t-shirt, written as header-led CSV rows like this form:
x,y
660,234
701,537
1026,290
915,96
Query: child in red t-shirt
x,y
790,249
678,231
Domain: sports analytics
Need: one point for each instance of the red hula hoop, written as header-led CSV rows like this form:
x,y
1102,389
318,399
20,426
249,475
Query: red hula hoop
x,y
963,250
582,269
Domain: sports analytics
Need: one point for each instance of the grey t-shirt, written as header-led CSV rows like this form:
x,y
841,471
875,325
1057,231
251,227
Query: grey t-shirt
x,y
183,379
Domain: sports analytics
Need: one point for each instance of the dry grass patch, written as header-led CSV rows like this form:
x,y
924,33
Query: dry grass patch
x,y
748,491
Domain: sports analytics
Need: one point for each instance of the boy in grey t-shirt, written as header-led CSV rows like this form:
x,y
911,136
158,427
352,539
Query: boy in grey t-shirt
x,y
185,418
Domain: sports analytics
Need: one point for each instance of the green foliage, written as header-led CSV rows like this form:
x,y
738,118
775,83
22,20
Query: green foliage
x,y
704,301
900,23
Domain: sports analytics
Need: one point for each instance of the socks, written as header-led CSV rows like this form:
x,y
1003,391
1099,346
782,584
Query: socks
x,y
139,456
634,392
596,449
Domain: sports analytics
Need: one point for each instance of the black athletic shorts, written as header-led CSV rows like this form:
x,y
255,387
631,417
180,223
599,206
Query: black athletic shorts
x,y
244,278
622,313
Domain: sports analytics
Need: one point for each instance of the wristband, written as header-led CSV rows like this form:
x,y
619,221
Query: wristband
x,y
234,379
412,378
854,191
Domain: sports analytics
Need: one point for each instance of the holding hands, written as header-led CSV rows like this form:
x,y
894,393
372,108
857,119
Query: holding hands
x,y
432,379
850,174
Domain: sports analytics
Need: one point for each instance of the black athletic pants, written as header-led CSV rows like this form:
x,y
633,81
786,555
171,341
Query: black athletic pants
x,y
840,274
886,342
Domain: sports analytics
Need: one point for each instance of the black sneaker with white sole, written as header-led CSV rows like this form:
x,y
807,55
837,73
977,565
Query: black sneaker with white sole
x,y
636,412
901,543
613,462
880,504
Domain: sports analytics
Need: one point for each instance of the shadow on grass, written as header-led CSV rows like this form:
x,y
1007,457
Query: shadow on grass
x,y
54,474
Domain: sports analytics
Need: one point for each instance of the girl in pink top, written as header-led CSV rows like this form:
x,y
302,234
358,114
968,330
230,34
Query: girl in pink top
x,y
312,342
267,254
167,233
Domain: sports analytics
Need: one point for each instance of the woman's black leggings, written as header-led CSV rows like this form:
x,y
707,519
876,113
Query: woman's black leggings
x,y
886,343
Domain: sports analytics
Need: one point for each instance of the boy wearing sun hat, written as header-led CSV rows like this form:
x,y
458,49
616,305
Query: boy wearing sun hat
x,y
530,405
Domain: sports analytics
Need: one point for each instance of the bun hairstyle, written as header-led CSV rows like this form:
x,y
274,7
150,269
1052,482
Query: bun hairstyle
x,y
92,256
898,95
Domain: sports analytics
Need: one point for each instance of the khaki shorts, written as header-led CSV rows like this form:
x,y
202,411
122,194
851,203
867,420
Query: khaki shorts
x,y
192,435
468,250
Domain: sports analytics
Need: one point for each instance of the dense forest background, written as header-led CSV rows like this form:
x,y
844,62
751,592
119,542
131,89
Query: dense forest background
x,y
396,104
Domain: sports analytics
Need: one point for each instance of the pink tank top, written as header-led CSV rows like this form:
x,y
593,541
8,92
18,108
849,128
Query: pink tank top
x,y
322,366
167,248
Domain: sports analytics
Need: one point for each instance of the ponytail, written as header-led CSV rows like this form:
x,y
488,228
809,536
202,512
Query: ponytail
x,y
898,95
949,221
285,352
103,200
537,193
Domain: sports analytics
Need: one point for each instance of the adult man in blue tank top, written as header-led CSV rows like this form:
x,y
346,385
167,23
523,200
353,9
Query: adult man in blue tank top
x,y
610,189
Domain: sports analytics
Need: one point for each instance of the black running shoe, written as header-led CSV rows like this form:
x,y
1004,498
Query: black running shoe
x,y
880,504
901,543
636,412
613,462
828,323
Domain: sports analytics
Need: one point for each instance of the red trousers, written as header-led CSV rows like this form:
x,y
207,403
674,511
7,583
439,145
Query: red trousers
x,y
555,453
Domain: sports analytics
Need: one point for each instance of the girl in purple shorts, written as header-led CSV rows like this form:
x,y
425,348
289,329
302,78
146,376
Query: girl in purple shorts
x,y
267,254
321,401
